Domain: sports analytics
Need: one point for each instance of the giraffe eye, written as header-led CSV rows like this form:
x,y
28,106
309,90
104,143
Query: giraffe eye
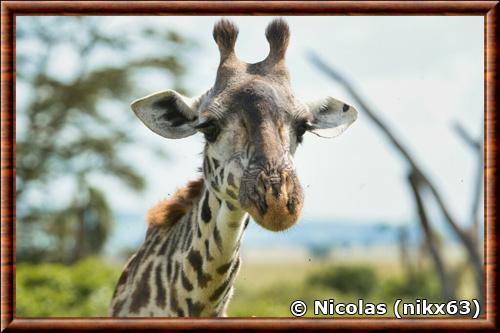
x,y
301,129
209,129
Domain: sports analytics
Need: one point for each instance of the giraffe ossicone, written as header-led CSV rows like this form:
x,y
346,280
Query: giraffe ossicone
x,y
252,123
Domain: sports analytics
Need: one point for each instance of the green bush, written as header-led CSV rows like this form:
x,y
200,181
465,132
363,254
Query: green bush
x,y
424,284
358,280
83,289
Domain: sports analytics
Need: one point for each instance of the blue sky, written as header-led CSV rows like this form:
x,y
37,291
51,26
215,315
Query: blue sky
x,y
420,73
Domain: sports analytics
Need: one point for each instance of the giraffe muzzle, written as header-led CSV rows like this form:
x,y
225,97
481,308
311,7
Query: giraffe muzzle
x,y
274,200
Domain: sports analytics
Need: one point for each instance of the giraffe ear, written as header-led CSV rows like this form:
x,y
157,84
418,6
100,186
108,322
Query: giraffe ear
x,y
168,113
331,117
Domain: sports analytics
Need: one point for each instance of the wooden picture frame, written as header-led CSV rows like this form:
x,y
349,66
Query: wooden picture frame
x,y
11,9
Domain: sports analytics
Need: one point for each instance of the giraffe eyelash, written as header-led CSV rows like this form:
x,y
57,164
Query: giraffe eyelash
x,y
204,125
210,130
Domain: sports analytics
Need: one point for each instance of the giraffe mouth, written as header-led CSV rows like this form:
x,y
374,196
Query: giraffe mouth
x,y
274,203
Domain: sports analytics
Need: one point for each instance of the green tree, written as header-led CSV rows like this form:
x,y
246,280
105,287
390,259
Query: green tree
x,y
69,134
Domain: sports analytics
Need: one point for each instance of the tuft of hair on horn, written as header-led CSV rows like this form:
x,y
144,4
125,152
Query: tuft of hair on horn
x,y
278,35
225,34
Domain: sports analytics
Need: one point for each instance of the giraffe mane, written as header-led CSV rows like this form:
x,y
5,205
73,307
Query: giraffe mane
x,y
169,211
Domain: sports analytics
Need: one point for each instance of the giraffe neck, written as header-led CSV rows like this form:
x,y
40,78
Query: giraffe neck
x,y
212,261
188,268
208,266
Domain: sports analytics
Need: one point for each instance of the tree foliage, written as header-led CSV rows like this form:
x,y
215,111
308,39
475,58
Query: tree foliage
x,y
75,80
54,289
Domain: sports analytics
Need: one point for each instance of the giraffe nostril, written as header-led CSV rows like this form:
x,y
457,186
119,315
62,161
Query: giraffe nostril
x,y
261,183
276,188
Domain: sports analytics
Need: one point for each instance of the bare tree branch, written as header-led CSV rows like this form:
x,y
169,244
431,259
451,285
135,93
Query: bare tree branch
x,y
446,283
466,240
477,147
475,144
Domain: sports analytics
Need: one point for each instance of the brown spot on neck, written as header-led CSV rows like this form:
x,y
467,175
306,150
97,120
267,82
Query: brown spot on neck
x,y
171,210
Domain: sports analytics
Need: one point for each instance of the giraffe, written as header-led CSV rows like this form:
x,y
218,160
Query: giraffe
x,y
252,124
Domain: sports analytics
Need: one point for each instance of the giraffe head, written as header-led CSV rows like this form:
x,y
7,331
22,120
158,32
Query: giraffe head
x,y
252,123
